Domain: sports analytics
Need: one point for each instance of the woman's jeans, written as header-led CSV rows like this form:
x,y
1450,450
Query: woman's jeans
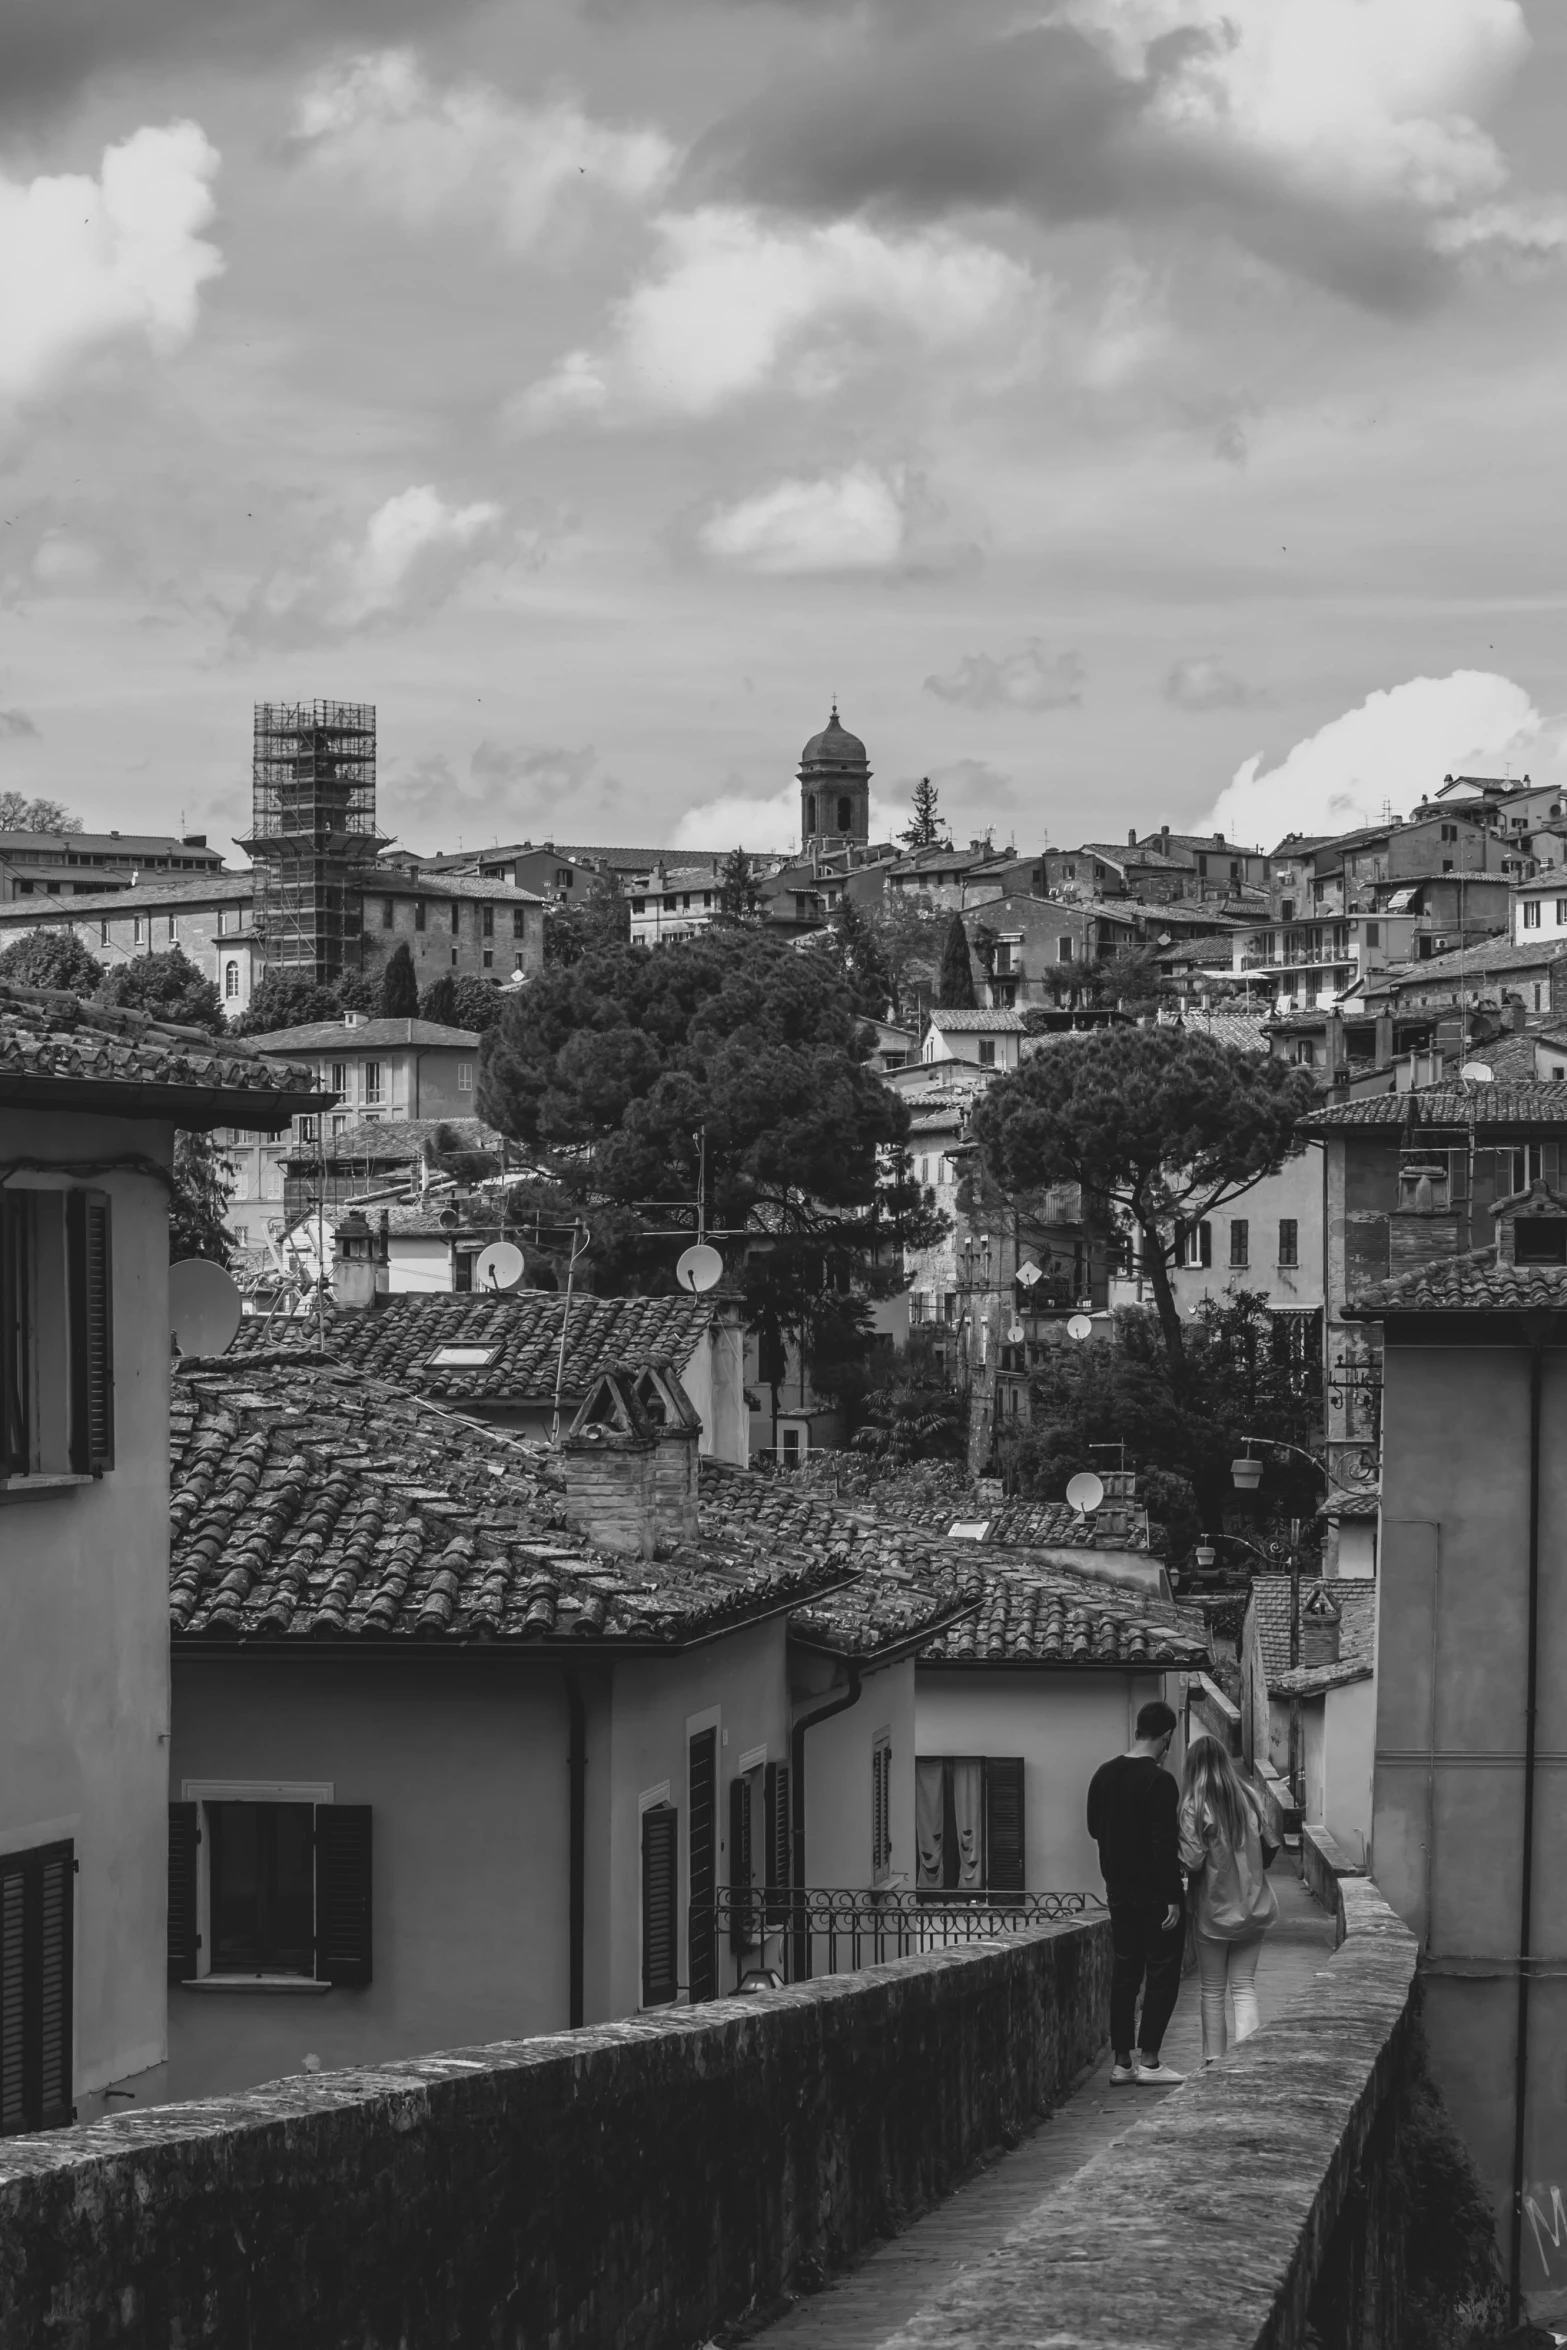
x,y
1228,1966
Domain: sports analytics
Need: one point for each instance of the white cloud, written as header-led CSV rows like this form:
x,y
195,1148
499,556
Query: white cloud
x,y
762,821
1028,680
1395,747
1201,681
87,261
467,152
411,556
1354,105
851,521
736,305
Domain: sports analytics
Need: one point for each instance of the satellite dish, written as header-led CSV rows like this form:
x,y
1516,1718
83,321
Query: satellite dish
x,y
1477,1073
1085,1493
699,1268
500,1266
448,1219
204,1307
1015,1334
1080,1327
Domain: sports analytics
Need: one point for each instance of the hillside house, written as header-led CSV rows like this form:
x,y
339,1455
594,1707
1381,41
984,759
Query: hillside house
x,y
90,1100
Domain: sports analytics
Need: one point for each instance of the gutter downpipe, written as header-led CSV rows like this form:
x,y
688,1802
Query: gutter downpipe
x,y
577,1771
1539,1330
823,1713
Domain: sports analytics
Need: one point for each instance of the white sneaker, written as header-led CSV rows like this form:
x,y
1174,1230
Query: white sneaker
x,y
1157,2076
1122,2075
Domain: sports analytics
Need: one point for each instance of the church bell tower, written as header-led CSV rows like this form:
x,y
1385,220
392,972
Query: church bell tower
x,y
835,789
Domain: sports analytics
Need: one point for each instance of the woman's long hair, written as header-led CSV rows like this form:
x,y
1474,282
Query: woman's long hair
x,y
1216,1789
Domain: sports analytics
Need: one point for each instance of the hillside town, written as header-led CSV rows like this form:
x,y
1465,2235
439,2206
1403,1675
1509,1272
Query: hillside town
x,y
763,1368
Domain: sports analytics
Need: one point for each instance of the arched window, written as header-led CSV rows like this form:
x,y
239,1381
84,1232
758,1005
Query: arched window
x,y
845,815
230,979
810,812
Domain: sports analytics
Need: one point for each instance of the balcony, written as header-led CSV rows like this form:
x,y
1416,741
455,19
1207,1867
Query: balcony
x,y
756,1937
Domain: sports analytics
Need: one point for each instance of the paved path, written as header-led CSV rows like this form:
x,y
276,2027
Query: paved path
x,y
869,2302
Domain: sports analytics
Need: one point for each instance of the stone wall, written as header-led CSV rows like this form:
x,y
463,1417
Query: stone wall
x,y
628,2187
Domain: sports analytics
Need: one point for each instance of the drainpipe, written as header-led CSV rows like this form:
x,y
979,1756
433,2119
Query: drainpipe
x,y
835,1705
1539,1329
577,1771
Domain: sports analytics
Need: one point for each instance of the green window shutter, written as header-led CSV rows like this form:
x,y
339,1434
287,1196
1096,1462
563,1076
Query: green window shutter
x,y
184,1940
660,1883
702,1764
90,1281
37,1904
343,1894
1004,1861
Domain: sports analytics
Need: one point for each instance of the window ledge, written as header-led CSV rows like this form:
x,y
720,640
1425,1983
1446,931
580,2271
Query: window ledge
x,y
38,1488
295,1984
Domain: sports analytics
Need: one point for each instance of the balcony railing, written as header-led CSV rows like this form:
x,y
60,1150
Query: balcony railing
x,y
774,1932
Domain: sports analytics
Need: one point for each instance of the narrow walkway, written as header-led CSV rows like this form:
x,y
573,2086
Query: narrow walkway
x,y
882,2292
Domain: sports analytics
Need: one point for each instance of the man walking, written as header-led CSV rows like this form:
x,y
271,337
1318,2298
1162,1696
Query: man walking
x,y
1132,1813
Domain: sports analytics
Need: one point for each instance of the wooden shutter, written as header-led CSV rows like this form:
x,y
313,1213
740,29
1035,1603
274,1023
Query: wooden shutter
x,y
881,1807
15,1335
743,1925
775,1810
1205,1242
184,1940
660,1882
1004,1823
90,1281
343,1894
37,1902
702,1763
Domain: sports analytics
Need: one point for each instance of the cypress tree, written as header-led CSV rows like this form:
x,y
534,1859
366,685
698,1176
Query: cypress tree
x,y
955,988
399,987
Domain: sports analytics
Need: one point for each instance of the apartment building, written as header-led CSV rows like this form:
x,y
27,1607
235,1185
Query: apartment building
x,y
88,864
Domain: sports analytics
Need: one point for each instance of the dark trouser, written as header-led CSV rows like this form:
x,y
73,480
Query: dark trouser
x,y
1143,1950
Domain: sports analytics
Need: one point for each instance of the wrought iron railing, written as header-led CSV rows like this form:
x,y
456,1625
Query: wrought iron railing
x,y
761,1935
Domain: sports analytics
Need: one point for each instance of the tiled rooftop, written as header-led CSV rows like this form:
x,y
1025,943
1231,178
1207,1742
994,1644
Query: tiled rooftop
x,y
937,1496
1247,1032
1454,1105
397,1341
157,891
1453,1284
309,1503
398,1141
363,1036
52,1037
980,1023
1270,1599
1033,1617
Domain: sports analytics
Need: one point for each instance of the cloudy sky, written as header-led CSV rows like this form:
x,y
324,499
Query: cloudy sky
x,y
1133,410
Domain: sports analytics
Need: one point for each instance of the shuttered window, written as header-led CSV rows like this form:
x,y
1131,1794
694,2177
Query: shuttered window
x,y
37,1891
289,1890
56,1334
16,1321
775,1810
703,1783
184,1929
660,1895
881,1805
89,1274
1004,1860
343,1894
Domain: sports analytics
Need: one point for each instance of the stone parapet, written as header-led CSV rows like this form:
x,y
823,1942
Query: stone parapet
x,y
1256,2210
1323,1862
632,2186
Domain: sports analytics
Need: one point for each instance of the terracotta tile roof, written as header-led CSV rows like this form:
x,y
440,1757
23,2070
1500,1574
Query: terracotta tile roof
x,y
981,1023
1475,1282
1476,960
397,1341
1363,1502
1457,1105
149,896
1270,1607
1246,1031
938,1496
309,1503
399,1141
50,1039
365,1036
1029,1612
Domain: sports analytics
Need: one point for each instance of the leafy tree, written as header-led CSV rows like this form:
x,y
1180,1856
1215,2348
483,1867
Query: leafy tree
x,y
955,988
856,947
439,1001
601,920
20,814
168,986
466,1002
737,899
910,938
914,1417
925,829
204,1177
285,998
608,1071
1248,1372
399,985
51,958
1160,1123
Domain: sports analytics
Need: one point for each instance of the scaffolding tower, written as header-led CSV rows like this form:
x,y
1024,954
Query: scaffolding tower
x,y
313,839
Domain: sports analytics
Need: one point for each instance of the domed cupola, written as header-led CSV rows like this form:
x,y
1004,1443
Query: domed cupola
x,y
835,788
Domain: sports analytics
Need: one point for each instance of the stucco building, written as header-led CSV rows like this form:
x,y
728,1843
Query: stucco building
x,y
89,1101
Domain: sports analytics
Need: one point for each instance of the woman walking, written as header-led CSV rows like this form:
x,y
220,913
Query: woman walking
x,y
1232,1903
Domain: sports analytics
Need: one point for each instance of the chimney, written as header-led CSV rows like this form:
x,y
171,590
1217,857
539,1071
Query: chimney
x,y
357,1278
193,840
1131,836
1219,838
610,1457
677,1429
1321,1621
1164,836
